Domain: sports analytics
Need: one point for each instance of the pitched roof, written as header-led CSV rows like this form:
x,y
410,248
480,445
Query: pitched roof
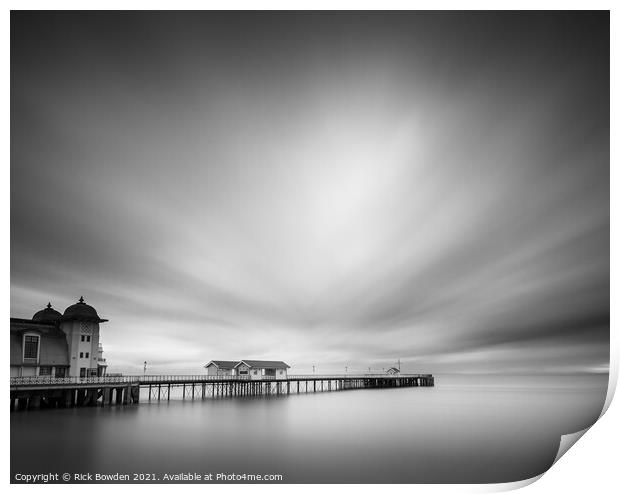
x,y
265,364
223,364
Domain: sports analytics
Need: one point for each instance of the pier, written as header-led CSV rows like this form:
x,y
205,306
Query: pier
x,y
28,393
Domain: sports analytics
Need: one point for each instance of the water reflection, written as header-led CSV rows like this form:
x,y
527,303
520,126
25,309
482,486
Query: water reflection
x,y
460,431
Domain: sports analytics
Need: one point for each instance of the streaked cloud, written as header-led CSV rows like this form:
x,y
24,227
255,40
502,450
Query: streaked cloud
x,y
329,189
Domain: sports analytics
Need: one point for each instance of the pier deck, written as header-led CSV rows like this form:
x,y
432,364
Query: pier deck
x,y
48,392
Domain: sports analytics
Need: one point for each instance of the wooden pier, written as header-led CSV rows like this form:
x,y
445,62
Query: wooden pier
x,y
29,393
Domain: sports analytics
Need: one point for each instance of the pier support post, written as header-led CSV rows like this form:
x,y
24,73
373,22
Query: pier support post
x,y
129,392
34,402
69,398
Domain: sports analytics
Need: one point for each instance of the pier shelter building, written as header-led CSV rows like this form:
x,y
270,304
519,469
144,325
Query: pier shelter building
x,y
221,367
250,369
262,369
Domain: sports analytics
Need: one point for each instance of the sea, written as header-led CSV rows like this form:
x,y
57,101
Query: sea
x,y
465,429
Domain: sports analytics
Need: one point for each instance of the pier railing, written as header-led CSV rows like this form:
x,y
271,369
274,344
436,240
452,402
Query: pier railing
x,y
206,378
318,377
31,380
198,378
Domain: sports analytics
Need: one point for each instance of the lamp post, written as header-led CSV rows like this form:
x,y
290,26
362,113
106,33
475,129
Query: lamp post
x,y
313,369
145,367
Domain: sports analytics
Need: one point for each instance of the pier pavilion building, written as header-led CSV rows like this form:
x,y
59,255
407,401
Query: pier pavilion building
x,y
261,369
252,369
221,367
58,345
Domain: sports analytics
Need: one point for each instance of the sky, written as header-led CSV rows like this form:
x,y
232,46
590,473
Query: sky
x,y
329,189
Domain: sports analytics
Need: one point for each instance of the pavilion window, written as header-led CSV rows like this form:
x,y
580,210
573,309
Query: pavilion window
x,y
31,347
45,370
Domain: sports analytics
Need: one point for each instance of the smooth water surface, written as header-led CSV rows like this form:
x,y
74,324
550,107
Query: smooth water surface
x,y
462,430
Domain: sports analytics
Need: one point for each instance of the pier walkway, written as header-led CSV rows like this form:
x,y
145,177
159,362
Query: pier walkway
x,y
49,392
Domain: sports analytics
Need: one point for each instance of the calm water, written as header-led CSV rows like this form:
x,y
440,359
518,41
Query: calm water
x,y
463,430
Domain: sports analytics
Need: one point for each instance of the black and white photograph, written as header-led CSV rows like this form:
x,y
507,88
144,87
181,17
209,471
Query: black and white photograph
x,y
306,246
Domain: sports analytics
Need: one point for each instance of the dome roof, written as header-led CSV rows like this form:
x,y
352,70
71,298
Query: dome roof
x,y
81,310
47,315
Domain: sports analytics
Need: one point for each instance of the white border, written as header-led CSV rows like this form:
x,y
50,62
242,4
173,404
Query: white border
x,y
590,466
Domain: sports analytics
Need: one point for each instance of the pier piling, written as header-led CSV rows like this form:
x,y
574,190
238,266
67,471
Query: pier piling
x,y
45,392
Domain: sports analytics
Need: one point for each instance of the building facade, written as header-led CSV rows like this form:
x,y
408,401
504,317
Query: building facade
x,y
221,367
58,345
248,369
102,365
